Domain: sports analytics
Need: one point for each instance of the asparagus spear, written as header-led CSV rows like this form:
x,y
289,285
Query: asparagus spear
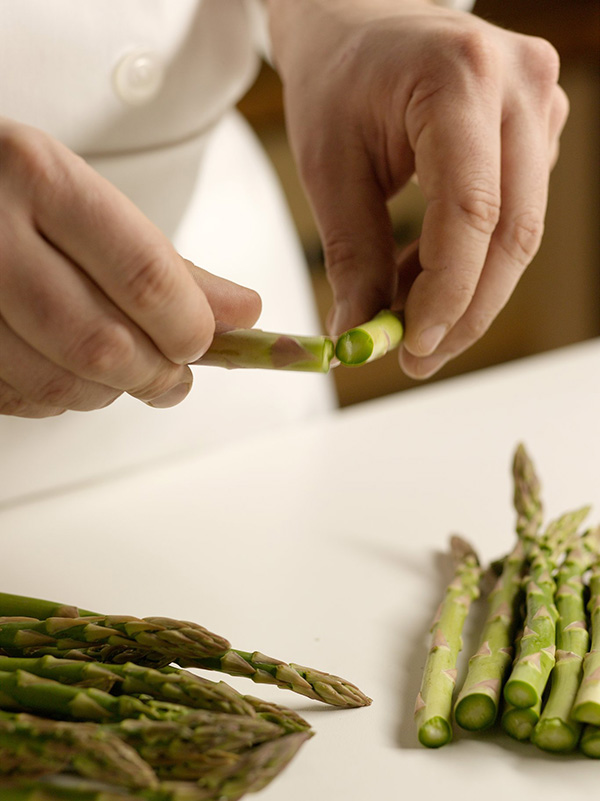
x,y
251,347
303,680
30,745
371,340
519,722
22,691
245,773
169,638
557,730
49,789
167,684
37,608
590,741
586,708
195,745
479,699
434,701
537,647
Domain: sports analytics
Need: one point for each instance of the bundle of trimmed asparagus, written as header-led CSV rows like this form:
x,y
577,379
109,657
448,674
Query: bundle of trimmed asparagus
x,y
92,707
537,668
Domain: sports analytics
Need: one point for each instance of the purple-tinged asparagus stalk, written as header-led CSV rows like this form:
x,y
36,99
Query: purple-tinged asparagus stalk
x,y
253,348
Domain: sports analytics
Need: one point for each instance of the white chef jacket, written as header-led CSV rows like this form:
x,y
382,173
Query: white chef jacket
x,y
144,91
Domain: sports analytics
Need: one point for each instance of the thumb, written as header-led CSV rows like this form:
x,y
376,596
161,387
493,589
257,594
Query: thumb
x,y
356,232
231,304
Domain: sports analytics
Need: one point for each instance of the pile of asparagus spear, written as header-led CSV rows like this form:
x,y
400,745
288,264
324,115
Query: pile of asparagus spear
x,y
102,708
536,672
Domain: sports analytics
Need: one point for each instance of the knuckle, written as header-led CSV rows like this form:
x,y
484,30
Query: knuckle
x,y
28,153
474,326
340,254
151,279
524,237
541,61
13,404
100,354
160,384
473,49
481,207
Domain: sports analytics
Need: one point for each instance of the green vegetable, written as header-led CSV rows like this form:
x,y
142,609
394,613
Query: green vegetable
x,y
371,340
434,702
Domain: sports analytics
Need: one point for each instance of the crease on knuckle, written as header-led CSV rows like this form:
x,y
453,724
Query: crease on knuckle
x,y
481,208
105,351
474,326
523,238
161,383
151,279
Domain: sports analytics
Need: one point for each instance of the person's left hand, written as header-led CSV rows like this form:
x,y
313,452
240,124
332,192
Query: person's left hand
x,y
378,90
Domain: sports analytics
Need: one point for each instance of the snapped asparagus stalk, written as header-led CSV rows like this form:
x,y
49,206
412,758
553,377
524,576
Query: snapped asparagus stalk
x,y
30,746
586,708
556,729
479,699
434,702
519,722
371,340
590,742
537,647
253,348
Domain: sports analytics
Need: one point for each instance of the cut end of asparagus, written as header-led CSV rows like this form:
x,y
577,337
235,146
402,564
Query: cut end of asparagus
x,y
587,712
590,742
520,723
370,341
520,694
476,712
555,735
435,732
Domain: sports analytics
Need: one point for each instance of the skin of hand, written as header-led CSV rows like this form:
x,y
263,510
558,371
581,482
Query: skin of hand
x,y
94,300
379,91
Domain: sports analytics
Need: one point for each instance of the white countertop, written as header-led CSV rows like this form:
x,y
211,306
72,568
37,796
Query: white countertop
x,y
321,545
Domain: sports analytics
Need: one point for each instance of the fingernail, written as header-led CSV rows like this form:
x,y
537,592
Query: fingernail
x,y
431,338
172,397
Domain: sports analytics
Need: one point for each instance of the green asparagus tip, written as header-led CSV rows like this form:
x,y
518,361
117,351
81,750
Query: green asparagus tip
x,y
554,735
475,712
435,733
520,694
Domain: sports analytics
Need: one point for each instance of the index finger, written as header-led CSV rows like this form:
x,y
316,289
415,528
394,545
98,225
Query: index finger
x,y
457,157
134,264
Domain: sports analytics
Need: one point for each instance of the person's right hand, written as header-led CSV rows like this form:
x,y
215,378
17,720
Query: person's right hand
x,y
94,300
